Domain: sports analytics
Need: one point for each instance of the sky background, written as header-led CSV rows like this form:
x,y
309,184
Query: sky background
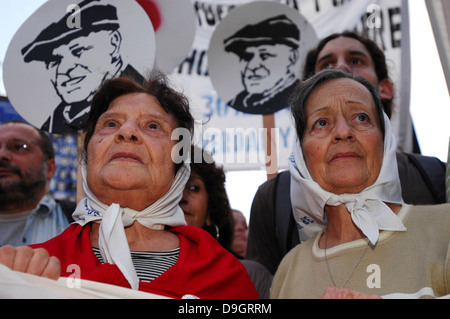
x,y
430,105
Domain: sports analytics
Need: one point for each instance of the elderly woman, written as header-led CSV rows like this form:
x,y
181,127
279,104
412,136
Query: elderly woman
x,y
345,166
129,229
422,178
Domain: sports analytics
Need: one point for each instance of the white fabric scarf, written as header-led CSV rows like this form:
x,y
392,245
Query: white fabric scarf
x,y
113,219
368,209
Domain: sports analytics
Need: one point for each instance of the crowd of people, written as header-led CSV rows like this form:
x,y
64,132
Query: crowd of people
x,y
352,202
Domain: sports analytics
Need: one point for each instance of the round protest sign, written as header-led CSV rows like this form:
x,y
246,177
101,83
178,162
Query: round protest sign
x,y
256,54
65,49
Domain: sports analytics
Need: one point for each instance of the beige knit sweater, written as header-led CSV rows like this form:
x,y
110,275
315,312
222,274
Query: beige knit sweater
x,y
411,264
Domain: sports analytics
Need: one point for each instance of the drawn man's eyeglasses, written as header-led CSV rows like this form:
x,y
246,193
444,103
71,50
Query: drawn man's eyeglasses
x,y
17,146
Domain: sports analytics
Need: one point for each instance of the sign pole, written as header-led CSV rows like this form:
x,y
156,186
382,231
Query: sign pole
x,y
270,145
80,192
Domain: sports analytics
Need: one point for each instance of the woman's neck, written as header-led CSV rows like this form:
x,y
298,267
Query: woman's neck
x,y
340,228
136,200
141,238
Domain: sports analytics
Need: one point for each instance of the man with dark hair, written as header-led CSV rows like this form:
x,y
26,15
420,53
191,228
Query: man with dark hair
x,y
81,58
319,59
268,52
28,214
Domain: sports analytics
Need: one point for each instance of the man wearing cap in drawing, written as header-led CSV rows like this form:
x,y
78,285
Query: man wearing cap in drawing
x,y
80,58
268,52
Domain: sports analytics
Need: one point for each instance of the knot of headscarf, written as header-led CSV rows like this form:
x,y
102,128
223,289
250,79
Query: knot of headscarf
x,y
368,209
113,244
368,215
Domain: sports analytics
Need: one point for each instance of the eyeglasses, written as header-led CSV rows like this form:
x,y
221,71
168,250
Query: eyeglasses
x,y
18,146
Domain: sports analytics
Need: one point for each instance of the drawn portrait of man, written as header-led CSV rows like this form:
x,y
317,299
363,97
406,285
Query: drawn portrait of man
x,y
65,49
74,56
256,54
268,53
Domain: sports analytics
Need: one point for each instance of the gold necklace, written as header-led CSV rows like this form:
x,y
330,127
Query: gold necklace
x,y
354,268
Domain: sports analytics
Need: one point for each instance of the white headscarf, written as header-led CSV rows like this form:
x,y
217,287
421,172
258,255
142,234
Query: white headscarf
x,y
368,209
112,241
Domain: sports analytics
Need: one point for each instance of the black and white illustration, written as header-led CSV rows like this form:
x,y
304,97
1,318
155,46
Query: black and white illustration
x,y
76,47
266,53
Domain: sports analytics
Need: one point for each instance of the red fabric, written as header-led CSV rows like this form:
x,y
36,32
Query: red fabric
x,y
153,12
204,268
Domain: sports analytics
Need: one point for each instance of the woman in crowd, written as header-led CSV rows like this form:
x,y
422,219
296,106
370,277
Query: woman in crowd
x,y
422,178
344,163
205,204
205,201
240,233
129,229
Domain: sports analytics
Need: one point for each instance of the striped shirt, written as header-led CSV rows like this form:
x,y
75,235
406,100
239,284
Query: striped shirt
x,y
149,264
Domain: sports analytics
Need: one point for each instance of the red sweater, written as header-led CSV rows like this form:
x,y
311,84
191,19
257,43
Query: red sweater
x,y
203,269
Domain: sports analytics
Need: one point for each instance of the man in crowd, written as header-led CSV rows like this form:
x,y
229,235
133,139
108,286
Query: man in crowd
x,y
28,214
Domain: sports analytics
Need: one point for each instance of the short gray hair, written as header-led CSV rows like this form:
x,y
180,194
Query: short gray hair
x,y
301,93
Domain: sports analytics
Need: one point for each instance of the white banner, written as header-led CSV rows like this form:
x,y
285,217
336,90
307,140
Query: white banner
x,y
236,139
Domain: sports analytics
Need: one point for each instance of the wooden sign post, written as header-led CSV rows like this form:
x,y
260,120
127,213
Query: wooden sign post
x,y
270,145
